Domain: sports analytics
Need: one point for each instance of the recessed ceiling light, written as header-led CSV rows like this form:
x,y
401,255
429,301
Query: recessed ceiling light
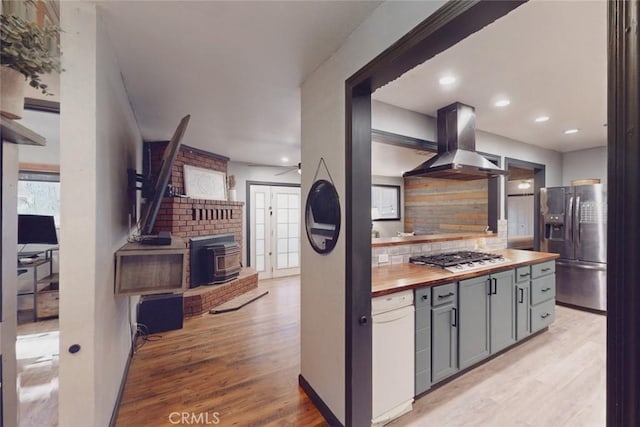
x,y
284,159
447,80
502,103
570,131
542,119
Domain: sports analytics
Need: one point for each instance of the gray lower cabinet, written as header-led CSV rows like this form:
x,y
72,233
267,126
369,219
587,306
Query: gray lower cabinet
x,y
473,301
523,298
543,293
487,316
444,332
423,340
503,310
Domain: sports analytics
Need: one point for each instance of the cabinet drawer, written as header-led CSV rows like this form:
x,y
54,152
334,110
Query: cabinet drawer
x,y
443,294
47,304
543,269
423,297
542,289
543,315
523,274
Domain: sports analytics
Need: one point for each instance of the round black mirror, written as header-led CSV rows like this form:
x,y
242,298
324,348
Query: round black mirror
x,y
322,216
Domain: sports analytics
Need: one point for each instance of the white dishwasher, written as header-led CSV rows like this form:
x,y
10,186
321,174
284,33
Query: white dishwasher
x,y
393,356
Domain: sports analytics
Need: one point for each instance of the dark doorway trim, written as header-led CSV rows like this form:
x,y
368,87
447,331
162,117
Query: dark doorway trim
x,y
623,229
539,181
447,26
247,203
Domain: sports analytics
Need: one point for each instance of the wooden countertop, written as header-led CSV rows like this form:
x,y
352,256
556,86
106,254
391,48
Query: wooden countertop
x,y
427,238
399,277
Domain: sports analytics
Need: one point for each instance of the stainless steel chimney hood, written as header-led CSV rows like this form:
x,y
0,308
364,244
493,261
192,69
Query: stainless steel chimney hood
x,y
457,157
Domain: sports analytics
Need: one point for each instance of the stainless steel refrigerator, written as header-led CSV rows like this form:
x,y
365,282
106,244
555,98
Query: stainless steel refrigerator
x,y
573,224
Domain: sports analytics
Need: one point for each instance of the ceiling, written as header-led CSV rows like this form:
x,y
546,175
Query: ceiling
x,y
548,57
236,67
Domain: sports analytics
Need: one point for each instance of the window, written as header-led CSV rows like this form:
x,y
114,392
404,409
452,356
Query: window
x,y
385,202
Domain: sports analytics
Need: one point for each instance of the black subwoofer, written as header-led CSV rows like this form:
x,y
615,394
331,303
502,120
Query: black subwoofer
x,y
160,313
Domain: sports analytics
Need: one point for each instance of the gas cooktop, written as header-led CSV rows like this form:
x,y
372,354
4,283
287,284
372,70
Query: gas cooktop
x,y
459,261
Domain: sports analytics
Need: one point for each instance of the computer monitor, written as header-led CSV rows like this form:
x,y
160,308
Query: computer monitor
x,y
37,229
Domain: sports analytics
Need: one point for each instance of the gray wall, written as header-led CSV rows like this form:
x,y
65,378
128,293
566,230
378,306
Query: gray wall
x,y
584,164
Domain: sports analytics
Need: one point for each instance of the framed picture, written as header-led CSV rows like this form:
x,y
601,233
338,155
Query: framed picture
x,y
200,183
385,202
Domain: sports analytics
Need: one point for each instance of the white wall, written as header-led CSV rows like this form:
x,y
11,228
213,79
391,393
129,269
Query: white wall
x,y
390,228
243,173
101,140
585,164
409,123
8,327
323,135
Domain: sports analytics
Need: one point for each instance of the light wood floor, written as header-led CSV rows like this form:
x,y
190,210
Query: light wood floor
x,y
37,352
244,365
555,379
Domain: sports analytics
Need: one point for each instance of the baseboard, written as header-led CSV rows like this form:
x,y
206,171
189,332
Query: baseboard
x,y
123,382
319,403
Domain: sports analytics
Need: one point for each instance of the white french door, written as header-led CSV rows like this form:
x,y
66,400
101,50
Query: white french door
x,y
274,230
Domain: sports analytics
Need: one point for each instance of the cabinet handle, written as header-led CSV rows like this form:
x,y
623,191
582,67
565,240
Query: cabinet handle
x,y
490,290
525,275
425,297
521,295
544,316
455,317
545,289
544,270
450,294
495,286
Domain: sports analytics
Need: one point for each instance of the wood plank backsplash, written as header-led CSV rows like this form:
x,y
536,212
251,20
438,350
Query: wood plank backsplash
x,y
437,205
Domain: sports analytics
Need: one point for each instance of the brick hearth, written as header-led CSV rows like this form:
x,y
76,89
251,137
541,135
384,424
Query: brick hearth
x,y
204,298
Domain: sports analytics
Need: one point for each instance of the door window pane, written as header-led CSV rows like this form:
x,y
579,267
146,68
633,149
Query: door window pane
x,y
260,263
260,200
294,230
283,215
294,201
282,261
282,201
259,216
293,245
294,216
259,231
259,247
282,246
293,259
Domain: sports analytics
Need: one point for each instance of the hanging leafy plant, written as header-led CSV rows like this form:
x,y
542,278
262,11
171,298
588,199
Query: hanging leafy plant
x,y
29,49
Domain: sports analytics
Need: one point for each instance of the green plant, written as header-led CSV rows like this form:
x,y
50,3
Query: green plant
x,y
31,50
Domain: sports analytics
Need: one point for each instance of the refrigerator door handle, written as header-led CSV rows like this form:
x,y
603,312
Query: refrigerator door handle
x,y
569,228
576,223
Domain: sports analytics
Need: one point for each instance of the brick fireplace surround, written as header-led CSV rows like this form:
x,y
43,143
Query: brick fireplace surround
x,y
185,217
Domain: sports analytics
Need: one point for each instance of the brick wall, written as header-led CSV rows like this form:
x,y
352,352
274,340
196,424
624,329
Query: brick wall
x,y
185,217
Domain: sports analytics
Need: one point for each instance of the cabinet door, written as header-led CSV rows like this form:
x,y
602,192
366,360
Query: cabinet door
x,y
444,342
523,323
503,310
474,320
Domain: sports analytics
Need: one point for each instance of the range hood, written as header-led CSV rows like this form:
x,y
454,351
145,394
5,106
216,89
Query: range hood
x,y
457,157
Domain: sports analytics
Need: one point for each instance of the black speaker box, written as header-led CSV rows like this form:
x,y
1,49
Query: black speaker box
x,y
160,313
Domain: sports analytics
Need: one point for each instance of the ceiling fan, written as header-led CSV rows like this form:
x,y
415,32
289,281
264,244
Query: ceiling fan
x,y
287,168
